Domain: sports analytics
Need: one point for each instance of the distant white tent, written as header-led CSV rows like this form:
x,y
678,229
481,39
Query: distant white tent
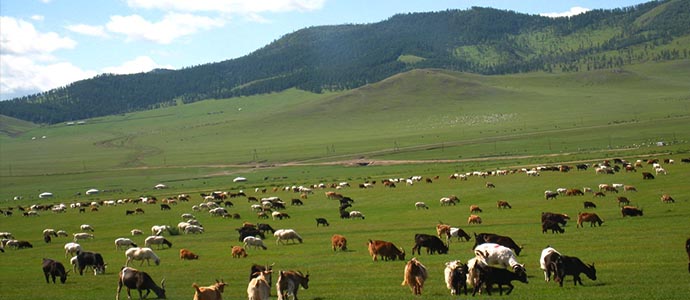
x,y
160,186
92,191
239,179
45,195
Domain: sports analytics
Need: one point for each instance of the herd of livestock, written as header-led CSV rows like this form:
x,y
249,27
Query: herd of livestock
x,y
495,262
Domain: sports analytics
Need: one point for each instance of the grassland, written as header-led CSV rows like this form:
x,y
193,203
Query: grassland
x,y
428,122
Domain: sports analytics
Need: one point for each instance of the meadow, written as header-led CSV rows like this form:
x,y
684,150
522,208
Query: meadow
x,y
424,122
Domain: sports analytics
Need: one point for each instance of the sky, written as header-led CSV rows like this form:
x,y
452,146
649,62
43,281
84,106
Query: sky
x,y
45,44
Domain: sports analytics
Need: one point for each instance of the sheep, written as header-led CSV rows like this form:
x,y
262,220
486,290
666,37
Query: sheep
x,y
193,229
141,254
286,234
136,232
72,249
212,292
82,236
421,205
159,229
157,240
85,227
254,241
356,214
124,242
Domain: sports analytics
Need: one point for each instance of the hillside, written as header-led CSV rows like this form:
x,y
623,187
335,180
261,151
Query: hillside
x,y
343,57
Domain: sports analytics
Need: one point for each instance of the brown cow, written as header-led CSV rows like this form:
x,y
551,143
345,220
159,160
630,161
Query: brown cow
x,y
666,198
415,275
212,292
339,242
386,250
503,204
588,217
474,219
238,252
186,254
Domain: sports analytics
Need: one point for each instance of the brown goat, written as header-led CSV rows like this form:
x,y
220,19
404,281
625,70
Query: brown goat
x,y
213,292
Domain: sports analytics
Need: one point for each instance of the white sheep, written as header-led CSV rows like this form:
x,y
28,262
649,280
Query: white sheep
x,y
124,242
256,242
72,249
82,236
141,254
85,227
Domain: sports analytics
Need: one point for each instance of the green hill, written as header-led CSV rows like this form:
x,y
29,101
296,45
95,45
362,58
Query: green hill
x,y
343,57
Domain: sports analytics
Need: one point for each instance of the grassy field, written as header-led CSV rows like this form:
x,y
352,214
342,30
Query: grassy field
x,y
431,122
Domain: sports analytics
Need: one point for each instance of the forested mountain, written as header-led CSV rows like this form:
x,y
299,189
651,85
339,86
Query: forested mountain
x,y
478,40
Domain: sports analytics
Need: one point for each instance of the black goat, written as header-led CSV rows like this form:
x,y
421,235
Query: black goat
x,y
135,279
488,276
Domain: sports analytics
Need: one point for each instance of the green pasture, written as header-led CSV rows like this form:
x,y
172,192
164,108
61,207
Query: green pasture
x,y
636,258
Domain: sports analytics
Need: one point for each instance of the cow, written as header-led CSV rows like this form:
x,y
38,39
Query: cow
x,y
556,217
92,259
455,275
141,254
414,276
592,218
186,254
238,252
573,266
497,239
53,268
631,211
322,222
259,287
339,242
386,250
503,204
135,279
431,242
212,292
289,282
474,219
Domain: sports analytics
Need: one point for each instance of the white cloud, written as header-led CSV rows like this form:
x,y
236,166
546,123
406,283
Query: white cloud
x,y
229,6
37,17
173,26
575,10
19,37
90,30
137,65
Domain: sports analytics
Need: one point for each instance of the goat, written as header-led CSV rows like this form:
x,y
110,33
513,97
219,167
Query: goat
x,y
212,292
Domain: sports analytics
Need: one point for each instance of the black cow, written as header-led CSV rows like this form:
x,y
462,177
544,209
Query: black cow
x,y
135,279
52,268
92,259
497,239
249,231
631,211
431,242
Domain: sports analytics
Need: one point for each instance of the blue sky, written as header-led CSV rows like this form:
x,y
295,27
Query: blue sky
x,y
46,44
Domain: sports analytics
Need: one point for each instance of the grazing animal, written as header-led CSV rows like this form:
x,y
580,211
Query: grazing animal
x,y
420,205
53,268
193,229
629,188
589,204
503,204
599,194
550,195
72,249
666,198
249,231
339,242
547,225
142,254
496,239
631,211
431,242
124,242
254,241
157,240
488,276
455,274
492,253
85,227
474,219
82,236
647,175
414,276
386,250
159,229
592,218
286,234
259,287
573,266
451,200
238,251
212,292
136,232
550,262
475,209
92,259
289,282
622,200
322,222
356,214
139,280
186,254
556,217
687,249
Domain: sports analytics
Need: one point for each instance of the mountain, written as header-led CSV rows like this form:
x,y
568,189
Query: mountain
x,y
323,58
